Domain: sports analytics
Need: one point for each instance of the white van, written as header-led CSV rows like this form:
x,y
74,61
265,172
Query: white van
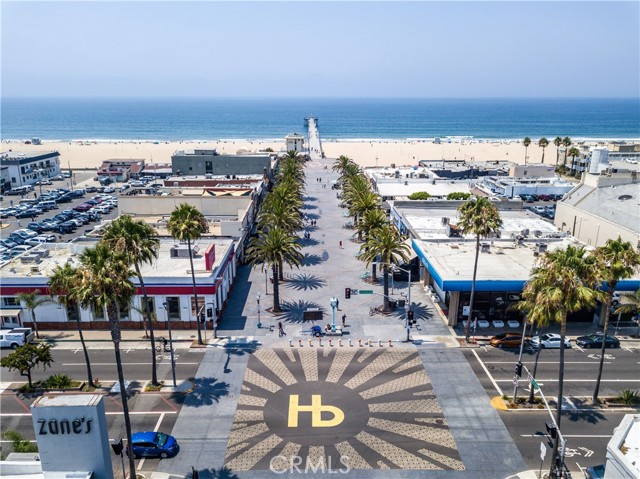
x,y
15,337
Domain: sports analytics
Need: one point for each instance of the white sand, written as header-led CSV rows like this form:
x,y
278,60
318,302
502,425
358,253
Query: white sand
x,y
366,153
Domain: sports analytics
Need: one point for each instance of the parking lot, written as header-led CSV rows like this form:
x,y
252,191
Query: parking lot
x,y
42,206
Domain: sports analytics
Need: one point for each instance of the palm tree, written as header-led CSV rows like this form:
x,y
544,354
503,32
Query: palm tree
x,y
480,217
31,301
616,260
526,142
272,249
557,142
385,245
543,143
566,142
105,282
188,224
140,243
563,280
573,152
61,284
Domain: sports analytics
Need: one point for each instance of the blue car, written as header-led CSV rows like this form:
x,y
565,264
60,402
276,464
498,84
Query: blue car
x,y
154,444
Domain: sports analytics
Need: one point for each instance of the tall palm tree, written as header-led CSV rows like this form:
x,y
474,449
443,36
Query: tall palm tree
x,y
564,281
341,163
557,142
543,143
616,260
105,282
140,244
31,301
271,249
188,224
480,217
573,152
385,245
62,284
566,142
526,142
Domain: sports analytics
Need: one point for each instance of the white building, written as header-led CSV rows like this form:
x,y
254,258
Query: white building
x,y
27,169
168,283
295,142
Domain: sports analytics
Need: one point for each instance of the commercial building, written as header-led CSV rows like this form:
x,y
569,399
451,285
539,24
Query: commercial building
x,y
27,169
504,266
603,206
120,170
295,142
202,162
168,282
623,449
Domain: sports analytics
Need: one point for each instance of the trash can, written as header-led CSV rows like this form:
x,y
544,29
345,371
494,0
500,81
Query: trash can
x,y
393,303
401,303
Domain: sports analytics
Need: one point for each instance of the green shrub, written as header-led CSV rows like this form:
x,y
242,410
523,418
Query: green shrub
x,y
59,381
18,442
629,397
419,195
458,195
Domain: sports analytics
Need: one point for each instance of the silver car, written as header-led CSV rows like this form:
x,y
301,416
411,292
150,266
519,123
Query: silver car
x,y
549,341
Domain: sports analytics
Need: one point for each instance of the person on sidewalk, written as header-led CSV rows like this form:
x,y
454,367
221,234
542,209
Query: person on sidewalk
x,y
344,320
340,243
281,330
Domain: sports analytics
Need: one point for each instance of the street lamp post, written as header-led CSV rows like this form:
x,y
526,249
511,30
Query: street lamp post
x,y
334,304
173,362
519,363
258,301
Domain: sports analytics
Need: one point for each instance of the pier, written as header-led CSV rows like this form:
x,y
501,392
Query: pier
x,y
315,146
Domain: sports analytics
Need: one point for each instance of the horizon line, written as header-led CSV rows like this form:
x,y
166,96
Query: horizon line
x,y
202,97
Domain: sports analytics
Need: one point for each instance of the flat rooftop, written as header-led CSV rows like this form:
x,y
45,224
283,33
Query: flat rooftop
x,y
427,223
57,254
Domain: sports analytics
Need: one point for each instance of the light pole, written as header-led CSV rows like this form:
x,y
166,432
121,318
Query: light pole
x,y
334,304
407,306
519,363
173,362
258,301
266,282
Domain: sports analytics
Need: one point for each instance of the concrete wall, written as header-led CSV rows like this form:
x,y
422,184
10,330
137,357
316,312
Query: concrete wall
x,y
164,205
221,164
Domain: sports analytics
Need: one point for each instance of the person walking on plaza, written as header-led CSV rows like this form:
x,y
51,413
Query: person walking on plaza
x,y
340,243
281,330
344,320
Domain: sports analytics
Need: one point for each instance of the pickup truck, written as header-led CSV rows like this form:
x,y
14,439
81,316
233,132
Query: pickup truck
x,y
15,337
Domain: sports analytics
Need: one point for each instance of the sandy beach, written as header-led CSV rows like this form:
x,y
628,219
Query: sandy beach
x,y
90,154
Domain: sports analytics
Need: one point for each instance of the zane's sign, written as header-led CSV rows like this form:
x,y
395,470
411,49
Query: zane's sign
x,y
210,257
64,426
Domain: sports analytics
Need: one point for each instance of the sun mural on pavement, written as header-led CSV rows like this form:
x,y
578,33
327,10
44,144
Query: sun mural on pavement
x,y
339,409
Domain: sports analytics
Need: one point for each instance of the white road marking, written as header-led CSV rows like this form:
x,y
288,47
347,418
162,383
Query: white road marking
x,y
155,429
113,364
543,362
488,373
135,413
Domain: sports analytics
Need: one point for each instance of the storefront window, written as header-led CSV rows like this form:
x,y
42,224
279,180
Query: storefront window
x,y
98,313
173,308
193,305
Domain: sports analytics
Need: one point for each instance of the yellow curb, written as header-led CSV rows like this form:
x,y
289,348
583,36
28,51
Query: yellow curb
x,y
499,404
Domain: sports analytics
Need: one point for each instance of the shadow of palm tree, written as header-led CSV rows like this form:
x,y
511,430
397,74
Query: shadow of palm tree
x,y
313,216
205,392
311,198
311,260
305,282
309,207
213,473
238,349
308,242
295,310
591,416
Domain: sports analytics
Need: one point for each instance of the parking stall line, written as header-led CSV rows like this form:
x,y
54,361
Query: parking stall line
x,y
155,429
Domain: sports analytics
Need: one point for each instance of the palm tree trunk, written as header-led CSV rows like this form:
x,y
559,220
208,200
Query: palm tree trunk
x,y
281,271
276,289
114,324
154,374
542,156
611,287
385,276
35,324
374,276
473,289
86,355
195,292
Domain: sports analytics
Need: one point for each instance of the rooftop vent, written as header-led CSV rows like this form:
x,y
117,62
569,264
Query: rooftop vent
x,y
541,247
624,197
485,248
445,220
182,250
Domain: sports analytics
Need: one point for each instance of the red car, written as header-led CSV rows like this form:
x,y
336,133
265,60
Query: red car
x,y
83,207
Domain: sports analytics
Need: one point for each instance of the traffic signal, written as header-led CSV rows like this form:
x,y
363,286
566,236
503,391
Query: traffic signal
x,y
552,430
519,369
410,315
347,293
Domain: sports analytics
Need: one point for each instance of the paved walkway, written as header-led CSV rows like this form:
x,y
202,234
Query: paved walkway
x,y
328,269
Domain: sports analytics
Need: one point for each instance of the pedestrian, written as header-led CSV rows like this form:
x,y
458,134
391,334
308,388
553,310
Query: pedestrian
x,y
281,330
338,304
344,320
340,243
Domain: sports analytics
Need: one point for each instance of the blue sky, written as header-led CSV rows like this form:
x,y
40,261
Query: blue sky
x,y
321,49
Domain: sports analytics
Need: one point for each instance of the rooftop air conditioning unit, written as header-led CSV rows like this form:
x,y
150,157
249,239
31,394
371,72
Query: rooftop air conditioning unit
x,y
485,248
445,220
525,232
541,247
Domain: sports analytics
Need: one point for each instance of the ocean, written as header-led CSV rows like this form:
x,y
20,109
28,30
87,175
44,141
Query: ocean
x,y
339,119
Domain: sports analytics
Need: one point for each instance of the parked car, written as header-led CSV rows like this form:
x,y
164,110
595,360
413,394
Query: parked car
x,y
91,189
83,207
7,243
154,444
22,248
39,240
510,339
24,233
109,189
57,178
595,341
549,341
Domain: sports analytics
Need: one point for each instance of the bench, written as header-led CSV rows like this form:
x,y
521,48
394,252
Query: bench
x,y
337,332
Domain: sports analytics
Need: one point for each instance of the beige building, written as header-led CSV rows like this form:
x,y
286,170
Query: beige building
x,y
603,206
